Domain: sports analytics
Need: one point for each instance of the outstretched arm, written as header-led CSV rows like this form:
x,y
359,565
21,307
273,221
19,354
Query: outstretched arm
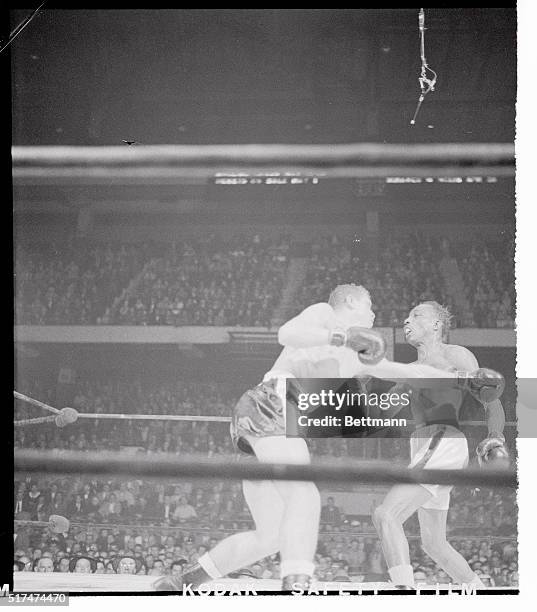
x,y
393,370
484,384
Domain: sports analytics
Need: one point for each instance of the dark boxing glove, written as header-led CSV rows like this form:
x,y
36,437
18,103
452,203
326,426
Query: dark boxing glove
x,y
484,384
492,450
370,345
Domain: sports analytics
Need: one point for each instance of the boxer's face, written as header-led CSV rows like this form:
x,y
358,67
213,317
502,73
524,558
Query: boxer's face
x,y
421,324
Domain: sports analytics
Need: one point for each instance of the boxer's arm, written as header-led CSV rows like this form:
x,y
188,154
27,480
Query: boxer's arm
x,y
465,360
395,371
312,327
495,417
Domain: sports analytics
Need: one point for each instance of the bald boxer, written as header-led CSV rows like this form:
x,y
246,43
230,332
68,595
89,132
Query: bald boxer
x,y
437,443
326,340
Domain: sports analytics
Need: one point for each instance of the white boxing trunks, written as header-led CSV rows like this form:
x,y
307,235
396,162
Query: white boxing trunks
x,y
438,447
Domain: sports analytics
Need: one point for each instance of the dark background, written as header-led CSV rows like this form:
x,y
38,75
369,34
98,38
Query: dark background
x,y
98,76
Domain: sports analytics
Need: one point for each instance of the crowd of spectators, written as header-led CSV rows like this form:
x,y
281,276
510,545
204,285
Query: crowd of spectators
x,y
488,273
402,272
239,281
72,283
208,282
134,526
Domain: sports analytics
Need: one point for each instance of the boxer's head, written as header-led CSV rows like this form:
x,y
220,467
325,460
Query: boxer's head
x,y
352,304
427,322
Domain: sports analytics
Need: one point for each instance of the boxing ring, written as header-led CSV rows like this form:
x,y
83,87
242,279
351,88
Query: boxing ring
x,y
100,583
167,164
165,468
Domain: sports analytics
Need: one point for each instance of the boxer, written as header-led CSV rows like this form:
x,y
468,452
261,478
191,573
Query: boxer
x,y
326,340
437,443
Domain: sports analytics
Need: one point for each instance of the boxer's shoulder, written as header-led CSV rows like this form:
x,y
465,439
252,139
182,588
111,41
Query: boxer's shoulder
x,y
320,311
460,357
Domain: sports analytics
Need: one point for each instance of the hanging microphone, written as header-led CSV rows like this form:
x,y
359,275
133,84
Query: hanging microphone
x,y
413,120
426,84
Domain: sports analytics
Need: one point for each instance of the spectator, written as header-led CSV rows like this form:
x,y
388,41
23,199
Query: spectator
x,y
82,565
127,565
177,567
184,511
27,563
330,512
63,565
43,565
157,569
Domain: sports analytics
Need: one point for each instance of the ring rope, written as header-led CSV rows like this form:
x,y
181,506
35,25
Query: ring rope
x,y
154,417
36,421
34,402
160,417
376,472
340,160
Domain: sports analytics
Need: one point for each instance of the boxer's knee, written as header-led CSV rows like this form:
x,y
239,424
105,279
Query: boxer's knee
x,y
384,516
437,548
268,541
306,493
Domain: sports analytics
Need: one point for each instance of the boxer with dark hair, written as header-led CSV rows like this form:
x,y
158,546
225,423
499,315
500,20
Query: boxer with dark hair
x,y
437,443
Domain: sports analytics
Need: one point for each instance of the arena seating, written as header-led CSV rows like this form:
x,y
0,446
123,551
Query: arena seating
x,y
239,282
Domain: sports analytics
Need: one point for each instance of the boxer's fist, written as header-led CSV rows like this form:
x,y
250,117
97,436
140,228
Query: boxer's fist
x,y
370,345
484,384
492,450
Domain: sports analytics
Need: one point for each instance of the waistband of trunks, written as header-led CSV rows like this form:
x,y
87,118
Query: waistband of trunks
x,y
429,429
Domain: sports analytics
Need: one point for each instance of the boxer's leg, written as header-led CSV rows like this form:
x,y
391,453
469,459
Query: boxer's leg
x,y
399,504
435,544
286,515
242,549
299,528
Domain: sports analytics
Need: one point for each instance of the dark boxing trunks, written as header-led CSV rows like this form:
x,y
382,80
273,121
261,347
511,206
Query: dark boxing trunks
x,y
259,413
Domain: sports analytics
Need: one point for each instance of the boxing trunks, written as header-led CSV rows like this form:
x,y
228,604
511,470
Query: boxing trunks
x,y
438,447
260,412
